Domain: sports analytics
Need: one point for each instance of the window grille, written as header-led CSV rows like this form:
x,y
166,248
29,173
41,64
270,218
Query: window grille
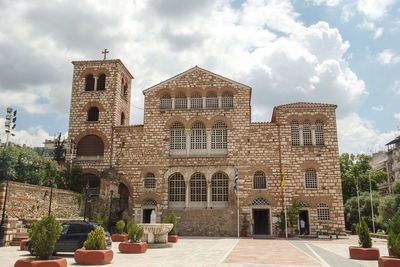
x,y
198,188
219,187
149,203
180,101
259,180
319,133
294,127
323,212
260,202
90,145
166,102
227,100
198,137
149,181
93,114
196,101
307,137
176,188
89,85
219,137
311,178
101,82
211,100
177,136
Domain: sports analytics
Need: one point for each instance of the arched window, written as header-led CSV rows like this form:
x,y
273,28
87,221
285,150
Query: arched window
x,y
166,102
180,101
123,197
211,100
307,137
149,181
219,137
89,85
227,100
93,114
198,137
323,212
177,136
101,82
294,128
122,118
259,180
311,178
198,188
319,133
90,145
176,188
219,187
196,101
94,183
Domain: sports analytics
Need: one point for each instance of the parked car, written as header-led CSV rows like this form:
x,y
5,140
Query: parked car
x,y
72,237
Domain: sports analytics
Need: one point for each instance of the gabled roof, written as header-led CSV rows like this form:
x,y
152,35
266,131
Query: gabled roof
x,y
195,68
394,141
300,105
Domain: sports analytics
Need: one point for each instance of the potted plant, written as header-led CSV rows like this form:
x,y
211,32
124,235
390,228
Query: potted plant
x,y
282,225
365,251
243,230
135,233
94,251
120,236
393,243
43,235
172,235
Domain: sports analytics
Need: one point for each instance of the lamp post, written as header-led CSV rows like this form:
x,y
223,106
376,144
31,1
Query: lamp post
x,y
86,194
109,216
358,204
3,216
372,204
51,193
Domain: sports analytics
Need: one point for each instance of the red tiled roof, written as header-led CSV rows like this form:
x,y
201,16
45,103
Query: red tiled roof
x,y
305,105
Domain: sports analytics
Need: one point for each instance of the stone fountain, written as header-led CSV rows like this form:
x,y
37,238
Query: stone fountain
x,y
156,234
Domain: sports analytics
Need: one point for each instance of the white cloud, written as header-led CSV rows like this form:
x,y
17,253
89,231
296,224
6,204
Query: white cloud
x,y
330,3
397,116
377,108
378,33
396,87
388,57
374,9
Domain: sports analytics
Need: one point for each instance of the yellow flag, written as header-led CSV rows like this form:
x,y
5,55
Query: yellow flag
x,y
283,178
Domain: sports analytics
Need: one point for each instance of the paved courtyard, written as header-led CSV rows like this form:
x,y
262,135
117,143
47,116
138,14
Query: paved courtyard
x,y
226,252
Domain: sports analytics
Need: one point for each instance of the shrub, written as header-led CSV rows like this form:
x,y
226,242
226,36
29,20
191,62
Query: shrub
x,y
135,232
120,227
393,240
99,218
44,234
96,239
364,238
171,219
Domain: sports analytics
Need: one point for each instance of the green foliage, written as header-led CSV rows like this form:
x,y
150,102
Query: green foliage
x,y
120,227
364,238
73,176
135,232
396,185
172,219
388,207
351,167
281,224
351,209
100,218
96,239
59,150
293,212
393,240
43,235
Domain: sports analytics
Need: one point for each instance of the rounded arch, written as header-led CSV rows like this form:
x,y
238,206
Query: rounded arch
x,y
164,91
179,119
101,82
89,82
212,89
267,170
95,71
91,179
310,164
93,132
229,89
122,118
198,119
178,90
217,118
320,117
91,171
124,194
263,194
149,195
93,114
90,145
93,104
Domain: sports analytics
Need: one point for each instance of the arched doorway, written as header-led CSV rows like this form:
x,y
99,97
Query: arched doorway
x,y
123,192
148,205
261,216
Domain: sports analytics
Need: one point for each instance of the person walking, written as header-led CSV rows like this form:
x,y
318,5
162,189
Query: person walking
x,y
302,227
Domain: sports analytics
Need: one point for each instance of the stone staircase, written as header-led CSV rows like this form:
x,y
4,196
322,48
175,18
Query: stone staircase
x,y
20,233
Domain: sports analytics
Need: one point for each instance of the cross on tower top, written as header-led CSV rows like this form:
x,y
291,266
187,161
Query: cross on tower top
x,y
105,52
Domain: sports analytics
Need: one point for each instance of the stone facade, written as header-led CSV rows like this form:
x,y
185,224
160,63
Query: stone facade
x,y
205,156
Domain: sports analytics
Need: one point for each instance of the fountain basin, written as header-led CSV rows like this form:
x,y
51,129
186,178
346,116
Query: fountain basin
x,y
156,234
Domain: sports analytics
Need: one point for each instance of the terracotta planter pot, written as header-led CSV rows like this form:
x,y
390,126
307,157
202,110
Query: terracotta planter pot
x,y
172,238
33,262
119,238
126,247
388,262
364,253
243,232
282,234
22,244
83,256
392,254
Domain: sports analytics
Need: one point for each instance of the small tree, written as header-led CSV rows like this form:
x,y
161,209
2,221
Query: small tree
x,y
393,241
281,224
43,235
171,219
293,213
120,227
135,232
364,238
96,239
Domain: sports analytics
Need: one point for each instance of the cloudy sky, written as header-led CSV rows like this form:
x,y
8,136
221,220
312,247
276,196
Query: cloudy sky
x,y
344,52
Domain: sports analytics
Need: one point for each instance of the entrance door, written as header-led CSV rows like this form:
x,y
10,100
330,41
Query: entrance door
x,y
146,215
304,216
261,222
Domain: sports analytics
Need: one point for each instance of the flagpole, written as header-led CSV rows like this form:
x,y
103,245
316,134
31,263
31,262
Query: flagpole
x,y
237,197
284,205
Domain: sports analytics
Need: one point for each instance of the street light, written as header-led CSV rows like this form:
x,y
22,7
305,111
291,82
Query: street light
x,y
86,194
2,225
358,203
109,217
51,193
372,204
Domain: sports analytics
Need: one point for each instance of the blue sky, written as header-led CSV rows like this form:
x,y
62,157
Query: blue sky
x,y
335,51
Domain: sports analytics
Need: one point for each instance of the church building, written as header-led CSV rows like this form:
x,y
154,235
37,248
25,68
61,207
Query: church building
x,y
196,133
